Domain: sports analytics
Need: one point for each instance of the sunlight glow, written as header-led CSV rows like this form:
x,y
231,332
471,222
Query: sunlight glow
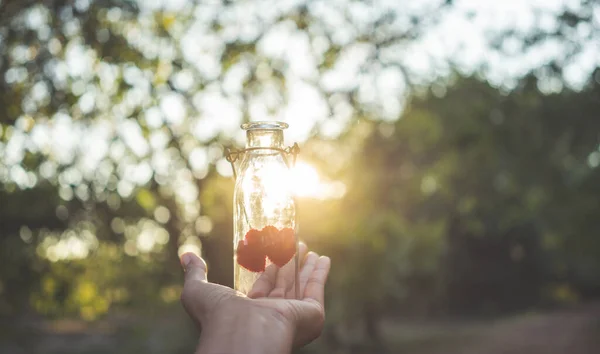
x,y
272,183
305,180
302,180
308,183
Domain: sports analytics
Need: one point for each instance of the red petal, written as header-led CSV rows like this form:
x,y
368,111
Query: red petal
x,y
282,248
251,256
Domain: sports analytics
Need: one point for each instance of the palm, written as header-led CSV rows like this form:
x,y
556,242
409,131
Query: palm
x,y
275,289
278,282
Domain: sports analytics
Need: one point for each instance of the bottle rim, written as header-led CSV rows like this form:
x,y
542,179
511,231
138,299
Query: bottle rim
x,y
265,125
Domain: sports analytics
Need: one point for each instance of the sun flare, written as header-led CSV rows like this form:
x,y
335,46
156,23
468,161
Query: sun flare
x,y
303,181
306,181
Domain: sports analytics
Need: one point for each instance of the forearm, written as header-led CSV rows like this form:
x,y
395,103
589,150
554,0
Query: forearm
x,y
249,332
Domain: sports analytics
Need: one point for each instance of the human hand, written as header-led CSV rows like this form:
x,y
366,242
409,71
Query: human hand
x,y
264,322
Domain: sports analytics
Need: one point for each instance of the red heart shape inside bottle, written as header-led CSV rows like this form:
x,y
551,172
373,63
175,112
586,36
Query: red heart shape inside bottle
x,y
250,252
282,247
278,245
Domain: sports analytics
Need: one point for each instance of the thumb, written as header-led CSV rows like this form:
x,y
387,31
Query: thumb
x,y
194,267
199,297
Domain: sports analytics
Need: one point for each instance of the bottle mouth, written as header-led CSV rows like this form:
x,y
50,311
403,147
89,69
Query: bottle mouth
x,y
265,125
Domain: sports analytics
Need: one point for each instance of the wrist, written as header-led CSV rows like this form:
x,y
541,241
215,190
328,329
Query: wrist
x,y
246,329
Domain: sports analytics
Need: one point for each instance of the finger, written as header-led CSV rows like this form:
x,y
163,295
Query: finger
x,y
267,280
307,269
284,285
315,286
291,288
302,251
285,279
265,283
194,267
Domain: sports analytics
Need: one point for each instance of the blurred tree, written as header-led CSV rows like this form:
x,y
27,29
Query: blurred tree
x,y
114,114
477,201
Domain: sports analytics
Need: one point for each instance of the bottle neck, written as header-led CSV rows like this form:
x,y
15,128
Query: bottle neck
x,y
264,138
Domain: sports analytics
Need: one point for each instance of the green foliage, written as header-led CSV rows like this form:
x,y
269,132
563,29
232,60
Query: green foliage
x,y
452,207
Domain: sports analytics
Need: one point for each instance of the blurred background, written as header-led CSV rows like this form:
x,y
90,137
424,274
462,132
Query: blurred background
x,y
449,167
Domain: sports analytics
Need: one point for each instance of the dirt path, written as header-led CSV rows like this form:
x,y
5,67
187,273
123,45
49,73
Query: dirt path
x,y
573,332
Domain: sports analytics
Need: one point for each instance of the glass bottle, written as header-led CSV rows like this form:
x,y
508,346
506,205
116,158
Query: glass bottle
x,y
264,212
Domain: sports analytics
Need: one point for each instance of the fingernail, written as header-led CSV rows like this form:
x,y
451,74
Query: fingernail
x,y
186,259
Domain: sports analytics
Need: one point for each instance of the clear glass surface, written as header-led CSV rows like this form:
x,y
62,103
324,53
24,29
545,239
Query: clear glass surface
x,y
263,197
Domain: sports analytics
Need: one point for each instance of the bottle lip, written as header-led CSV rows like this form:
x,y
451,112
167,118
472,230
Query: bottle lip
x,y
265,125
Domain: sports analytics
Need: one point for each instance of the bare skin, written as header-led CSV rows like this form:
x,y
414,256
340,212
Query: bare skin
x,y
266,321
